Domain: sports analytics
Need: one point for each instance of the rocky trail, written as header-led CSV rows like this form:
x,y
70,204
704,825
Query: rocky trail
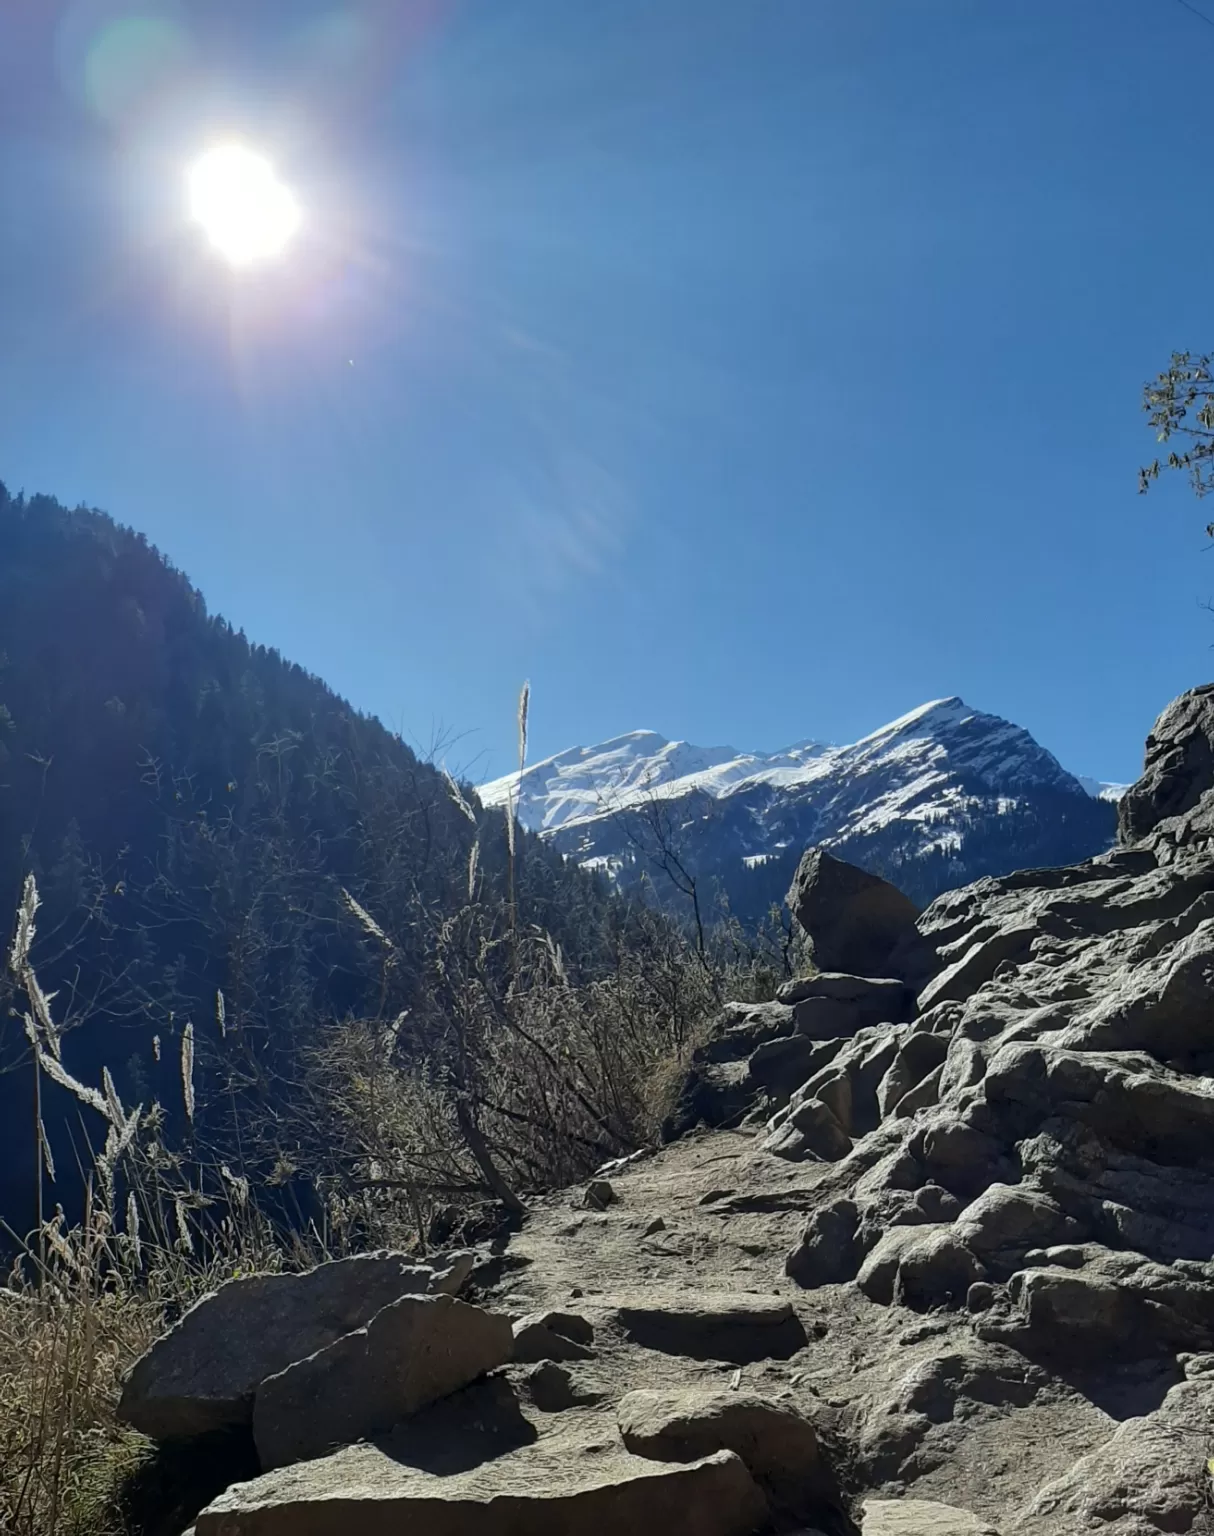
x,y
930,1253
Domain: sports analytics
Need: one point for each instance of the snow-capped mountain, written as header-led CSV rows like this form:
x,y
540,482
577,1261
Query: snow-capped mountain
x,y
938,797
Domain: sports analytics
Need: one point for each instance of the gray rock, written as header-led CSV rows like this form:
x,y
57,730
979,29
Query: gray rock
x,y
810,1130
919,1055
413,1352
826,1018
936,1271
964,1065
921,1517
879,1273
1005,1221
739,1328
912,1419
474,1466
922,1096
202,1374
1149,1476
828,1252
778,1444
1179,766
553,1336
451,1271
1069,1315
553,1390
781,1065
857,922
978,965
1131,1101
888,995
958,1155
599,1194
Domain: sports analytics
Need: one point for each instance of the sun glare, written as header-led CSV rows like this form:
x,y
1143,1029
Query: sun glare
x,y
247,213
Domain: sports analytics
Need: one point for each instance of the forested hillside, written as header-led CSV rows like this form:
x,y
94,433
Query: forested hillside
x,y
193,808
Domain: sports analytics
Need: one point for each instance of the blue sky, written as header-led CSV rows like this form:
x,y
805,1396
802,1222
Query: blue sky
x,y
744,371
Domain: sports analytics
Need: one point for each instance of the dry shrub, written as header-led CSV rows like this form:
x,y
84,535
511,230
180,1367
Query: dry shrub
x,y
512,1077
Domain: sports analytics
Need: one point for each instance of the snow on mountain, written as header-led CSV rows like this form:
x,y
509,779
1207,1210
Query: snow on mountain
x,y
941,795
1100,790
918,750
587,782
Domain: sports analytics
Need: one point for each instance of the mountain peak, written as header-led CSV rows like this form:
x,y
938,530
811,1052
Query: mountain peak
x,y
916,787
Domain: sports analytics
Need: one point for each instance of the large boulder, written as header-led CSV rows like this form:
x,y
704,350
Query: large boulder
x,y
857,922
778,1444
1179,767
202,1375
474,1466
416,1351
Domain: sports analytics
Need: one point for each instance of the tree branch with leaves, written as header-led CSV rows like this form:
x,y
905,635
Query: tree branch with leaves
x,y
1180,407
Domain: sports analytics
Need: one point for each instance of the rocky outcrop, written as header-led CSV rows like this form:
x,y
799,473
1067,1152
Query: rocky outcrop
x,y
1179,769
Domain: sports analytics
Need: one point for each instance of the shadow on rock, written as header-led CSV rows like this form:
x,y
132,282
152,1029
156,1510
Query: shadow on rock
x,y
466,1430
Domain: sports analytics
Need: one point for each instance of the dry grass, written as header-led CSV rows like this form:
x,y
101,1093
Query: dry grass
x,y
63,1456
70,1327
80,1304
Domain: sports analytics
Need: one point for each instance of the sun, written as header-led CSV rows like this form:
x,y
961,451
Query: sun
x,y
247,213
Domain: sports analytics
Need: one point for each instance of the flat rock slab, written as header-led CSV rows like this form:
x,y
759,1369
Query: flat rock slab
x,y
464,1484
413,1352
202,1374
921,1517
711,1325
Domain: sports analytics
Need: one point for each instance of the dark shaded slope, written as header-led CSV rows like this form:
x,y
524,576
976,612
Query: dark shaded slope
x,y
192,806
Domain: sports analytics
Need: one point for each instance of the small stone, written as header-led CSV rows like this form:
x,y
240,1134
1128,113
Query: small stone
x,y
656,1225
980,1297
599,1195
552,1336
550,1387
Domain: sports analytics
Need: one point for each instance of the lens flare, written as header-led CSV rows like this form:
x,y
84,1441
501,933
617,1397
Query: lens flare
x,y
246,212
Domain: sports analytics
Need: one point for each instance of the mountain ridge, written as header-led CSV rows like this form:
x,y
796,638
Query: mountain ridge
x,y
924,789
